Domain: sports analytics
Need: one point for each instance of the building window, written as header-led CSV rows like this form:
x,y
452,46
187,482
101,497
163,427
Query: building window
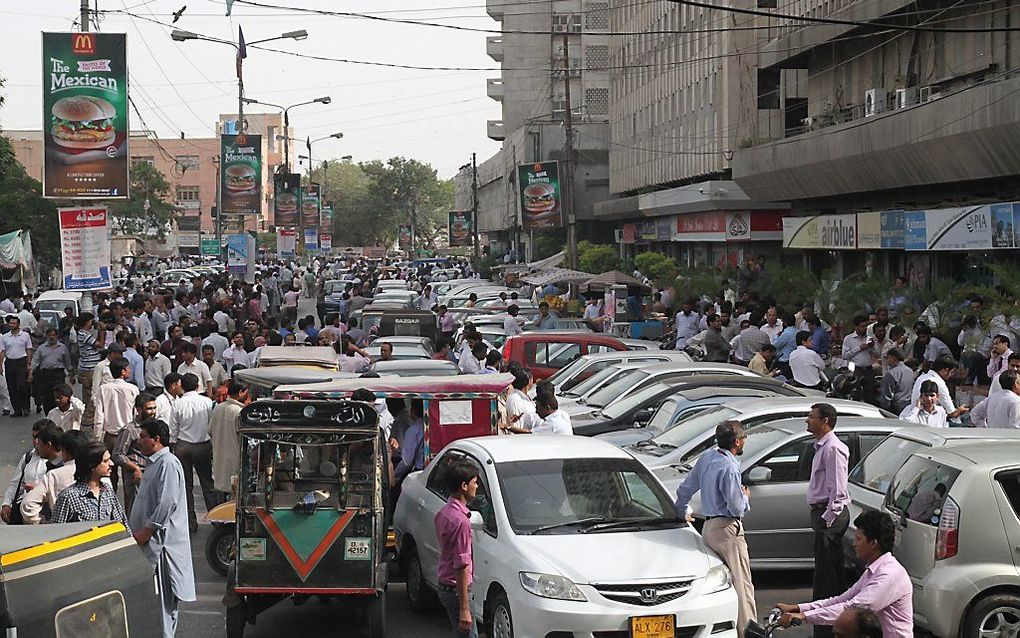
x,y
597,101
187,161
187,197
566,23
596,16
596,56
274,146
145,159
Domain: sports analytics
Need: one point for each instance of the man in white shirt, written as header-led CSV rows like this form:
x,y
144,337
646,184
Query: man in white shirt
x,y
219,375
7,306
15,355
224,323
553,419
471,363
192,365
235,354
28,320
858,347
520,409
115,408
101,374
688,324
352,358
510,325
219,344
142,325
807,366
189,431
1013,364
69,410
172,390
941,370
1002,409
927,410
999,361
157,366
29,471
773,326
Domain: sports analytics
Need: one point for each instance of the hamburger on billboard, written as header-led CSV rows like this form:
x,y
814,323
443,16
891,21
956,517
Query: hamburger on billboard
x,y
240,174
539,186
285,200
85,115
310,206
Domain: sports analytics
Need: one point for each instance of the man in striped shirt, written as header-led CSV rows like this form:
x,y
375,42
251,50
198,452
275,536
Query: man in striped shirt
x,y
88,358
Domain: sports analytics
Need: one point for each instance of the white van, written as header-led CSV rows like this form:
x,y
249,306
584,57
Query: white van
x,y
59,299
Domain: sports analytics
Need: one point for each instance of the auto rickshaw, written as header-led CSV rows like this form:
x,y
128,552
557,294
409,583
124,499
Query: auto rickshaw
x,y
456,407
310,510
316,357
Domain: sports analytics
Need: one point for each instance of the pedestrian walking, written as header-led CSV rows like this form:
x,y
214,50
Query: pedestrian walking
x,y
724,502
226,442
455,568
115,407
50,363
828,499
89,498
39,503
15,353
157,366
159,521
189,434
30,470
88,358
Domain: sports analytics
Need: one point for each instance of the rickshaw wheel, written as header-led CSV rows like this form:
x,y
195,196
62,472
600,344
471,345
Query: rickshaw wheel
x,y
377,617
236,620
219,547
419,597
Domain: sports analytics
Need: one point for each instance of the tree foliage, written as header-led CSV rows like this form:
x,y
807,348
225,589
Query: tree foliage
x,y
597,258
657,267
22,207
132,217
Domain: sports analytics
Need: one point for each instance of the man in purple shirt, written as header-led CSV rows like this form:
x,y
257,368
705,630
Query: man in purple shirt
x,y
828,498
453,531
884,588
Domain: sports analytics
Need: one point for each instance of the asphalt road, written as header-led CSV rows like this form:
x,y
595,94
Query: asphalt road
x,y
205,618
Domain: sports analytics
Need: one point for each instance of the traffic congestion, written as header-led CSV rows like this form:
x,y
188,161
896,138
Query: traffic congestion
x,y
481,441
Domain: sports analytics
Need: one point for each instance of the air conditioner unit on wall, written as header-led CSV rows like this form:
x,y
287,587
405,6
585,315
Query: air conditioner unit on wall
x,y
559,28
906,97
875,101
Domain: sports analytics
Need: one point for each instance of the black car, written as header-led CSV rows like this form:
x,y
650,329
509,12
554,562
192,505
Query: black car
x,y
707,390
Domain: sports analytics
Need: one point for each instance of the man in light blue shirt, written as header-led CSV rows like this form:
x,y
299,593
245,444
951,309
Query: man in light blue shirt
x,y
136,362
545,320
724,502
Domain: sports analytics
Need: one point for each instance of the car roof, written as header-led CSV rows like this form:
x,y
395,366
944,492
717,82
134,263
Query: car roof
x,y
989,454
401,340
750,406
667,366
857,424
679,355
417,364
699,393
508,449
567,336
936,437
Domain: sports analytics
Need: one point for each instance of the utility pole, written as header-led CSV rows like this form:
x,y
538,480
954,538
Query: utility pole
x,y
84,15
568,172
474,208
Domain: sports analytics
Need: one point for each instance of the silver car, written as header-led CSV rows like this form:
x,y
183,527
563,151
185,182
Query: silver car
x,y
958,536
776,465
583,368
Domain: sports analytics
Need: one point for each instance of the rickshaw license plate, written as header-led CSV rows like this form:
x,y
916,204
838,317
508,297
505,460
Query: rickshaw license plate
x,y
653,626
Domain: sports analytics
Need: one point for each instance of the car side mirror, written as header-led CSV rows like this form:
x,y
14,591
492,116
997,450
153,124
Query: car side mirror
x,y
477,522
759,475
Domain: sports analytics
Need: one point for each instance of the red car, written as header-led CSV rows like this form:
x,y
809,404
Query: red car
x,y
545,352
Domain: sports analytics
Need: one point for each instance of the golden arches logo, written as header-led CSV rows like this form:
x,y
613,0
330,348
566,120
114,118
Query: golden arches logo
x,y
84,43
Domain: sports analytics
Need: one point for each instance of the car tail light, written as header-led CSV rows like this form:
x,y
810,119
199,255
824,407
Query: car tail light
x,y
947,541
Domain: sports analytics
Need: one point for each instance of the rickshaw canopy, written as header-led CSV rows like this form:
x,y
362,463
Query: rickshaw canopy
x,y
274,376
322,357
465,386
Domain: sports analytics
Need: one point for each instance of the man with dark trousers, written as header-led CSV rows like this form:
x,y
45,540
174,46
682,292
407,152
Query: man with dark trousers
x,y
828,499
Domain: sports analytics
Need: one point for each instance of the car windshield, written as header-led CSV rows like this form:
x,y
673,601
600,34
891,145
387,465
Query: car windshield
x,y
335,286
759,438
636,400
592,382
564,496
616,389
876,471
691,428
567,372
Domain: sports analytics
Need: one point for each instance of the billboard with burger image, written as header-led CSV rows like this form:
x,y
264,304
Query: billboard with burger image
x,y
461,228
285,199
539,186
240,174
85,115
310,206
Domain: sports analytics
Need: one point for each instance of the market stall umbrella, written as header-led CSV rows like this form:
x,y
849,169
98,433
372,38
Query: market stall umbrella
x,y
555,276
612,278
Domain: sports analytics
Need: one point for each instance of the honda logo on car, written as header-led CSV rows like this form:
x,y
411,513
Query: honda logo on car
x,y
649,595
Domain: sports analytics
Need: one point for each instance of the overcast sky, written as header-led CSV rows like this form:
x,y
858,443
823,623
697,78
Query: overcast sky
x,y
434,116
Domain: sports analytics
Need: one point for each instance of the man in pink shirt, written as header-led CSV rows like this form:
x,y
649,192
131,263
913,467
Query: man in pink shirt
x,y
884,588
828,498
453,531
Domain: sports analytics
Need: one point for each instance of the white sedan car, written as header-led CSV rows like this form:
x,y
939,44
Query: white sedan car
x,y
571,536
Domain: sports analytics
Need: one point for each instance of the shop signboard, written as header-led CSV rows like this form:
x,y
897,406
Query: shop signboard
x,y
646,230
880,230
461,228
237,253
240,174
539,194
85,115
286,242
1004,225
326,242
629,233
959,228
829,232
311,239
701,227
664,229
85,248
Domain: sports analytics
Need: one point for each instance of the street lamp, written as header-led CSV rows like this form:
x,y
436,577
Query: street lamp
x,y
286,120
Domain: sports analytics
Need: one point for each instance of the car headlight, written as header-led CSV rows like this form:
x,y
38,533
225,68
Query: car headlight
x,y
551,586
718,579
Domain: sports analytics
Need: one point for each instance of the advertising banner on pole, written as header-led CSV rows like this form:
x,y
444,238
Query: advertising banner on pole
x,y
311,239
462,226
539,188
310,206
285,199
326,220
326,242
85,248
85,115
237,253
240,174
404,237
286,242
210,246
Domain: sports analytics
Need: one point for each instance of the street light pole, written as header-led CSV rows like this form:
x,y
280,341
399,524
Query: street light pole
x,y
286,121
84,15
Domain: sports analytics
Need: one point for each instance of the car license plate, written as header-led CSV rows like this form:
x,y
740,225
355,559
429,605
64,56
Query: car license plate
x,y
653,626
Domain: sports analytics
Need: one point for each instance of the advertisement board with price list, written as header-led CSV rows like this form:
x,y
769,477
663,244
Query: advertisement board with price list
x,y
85,248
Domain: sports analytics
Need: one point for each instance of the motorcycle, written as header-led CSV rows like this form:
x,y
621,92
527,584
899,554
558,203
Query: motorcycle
x,y
755,630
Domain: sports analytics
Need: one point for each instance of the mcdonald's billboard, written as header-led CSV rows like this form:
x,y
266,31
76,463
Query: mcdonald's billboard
x,y
85,115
